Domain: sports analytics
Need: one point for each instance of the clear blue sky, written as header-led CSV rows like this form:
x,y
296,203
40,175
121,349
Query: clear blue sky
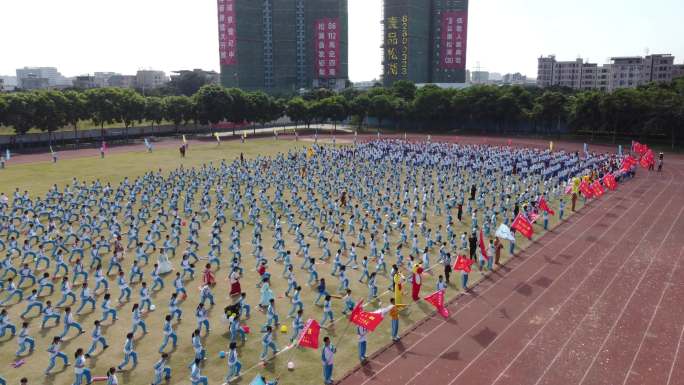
x,y
84,36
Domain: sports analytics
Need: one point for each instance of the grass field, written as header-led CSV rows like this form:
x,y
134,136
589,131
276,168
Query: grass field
x,y
38,177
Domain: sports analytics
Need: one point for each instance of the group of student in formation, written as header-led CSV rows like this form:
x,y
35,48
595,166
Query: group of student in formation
x,y
391,208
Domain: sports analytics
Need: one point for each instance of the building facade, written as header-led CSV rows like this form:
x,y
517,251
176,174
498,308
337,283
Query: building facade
x,y
54,78
150,79
425,41
622,72
281,46
86,82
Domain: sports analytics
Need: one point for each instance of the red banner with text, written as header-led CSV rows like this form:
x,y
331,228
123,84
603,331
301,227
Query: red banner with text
x,y
522,225
454,39
227,32
327,47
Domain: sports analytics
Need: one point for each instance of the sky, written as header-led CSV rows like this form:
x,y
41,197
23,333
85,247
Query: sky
x,y
84,36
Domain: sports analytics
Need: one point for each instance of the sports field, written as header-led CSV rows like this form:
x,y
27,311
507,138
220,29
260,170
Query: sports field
x,y
37,177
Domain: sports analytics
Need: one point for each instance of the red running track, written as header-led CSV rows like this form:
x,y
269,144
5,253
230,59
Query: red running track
x,y
596,301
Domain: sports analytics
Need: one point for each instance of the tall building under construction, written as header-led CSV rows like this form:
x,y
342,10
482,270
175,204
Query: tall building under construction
x,y
425,41
281,46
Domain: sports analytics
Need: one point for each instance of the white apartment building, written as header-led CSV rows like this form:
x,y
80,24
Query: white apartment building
x,y
148,79
55,79
622,72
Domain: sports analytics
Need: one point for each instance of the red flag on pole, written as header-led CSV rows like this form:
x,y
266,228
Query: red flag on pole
x,y
463,263
597,188
523,225
544,206
368,320
357,309
483,249
309,336
437,300
586,189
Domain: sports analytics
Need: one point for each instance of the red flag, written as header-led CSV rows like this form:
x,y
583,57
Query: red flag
x,y
640,149
586,190
309,336
368,320
533,217
544,206
523,225
609,181
597,188
483,249
357,309
647,159
437,300
463,263
509,143
627,163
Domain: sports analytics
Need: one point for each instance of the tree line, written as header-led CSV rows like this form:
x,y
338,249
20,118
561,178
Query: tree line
x,y
649,111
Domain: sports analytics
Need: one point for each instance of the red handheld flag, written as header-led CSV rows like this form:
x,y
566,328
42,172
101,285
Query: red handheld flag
x,y
309,336
523,225
483,249
597,188
609,181
357,309
368,320
437,300
586,190
647,159
544,206
463,263
627,163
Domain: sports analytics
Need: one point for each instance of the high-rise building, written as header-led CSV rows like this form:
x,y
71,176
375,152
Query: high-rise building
x,y
283,45
425,41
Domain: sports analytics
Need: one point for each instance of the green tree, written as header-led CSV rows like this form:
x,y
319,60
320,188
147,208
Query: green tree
x,y
76,110
508,110
214,104
296,110
623,111
381,107
51,107
359,107
178,109
154,109
666,113
104,106
584,112
404,89
550,109
3,109
188,83
131,107
430,105
241,106
20,112
334,109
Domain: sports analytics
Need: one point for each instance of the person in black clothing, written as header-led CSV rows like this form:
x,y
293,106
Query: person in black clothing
x,y
459,214
447,267
472,242
516,210
473,190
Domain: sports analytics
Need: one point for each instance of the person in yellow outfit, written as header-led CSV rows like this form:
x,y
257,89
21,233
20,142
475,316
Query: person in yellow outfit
x,y
398,279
